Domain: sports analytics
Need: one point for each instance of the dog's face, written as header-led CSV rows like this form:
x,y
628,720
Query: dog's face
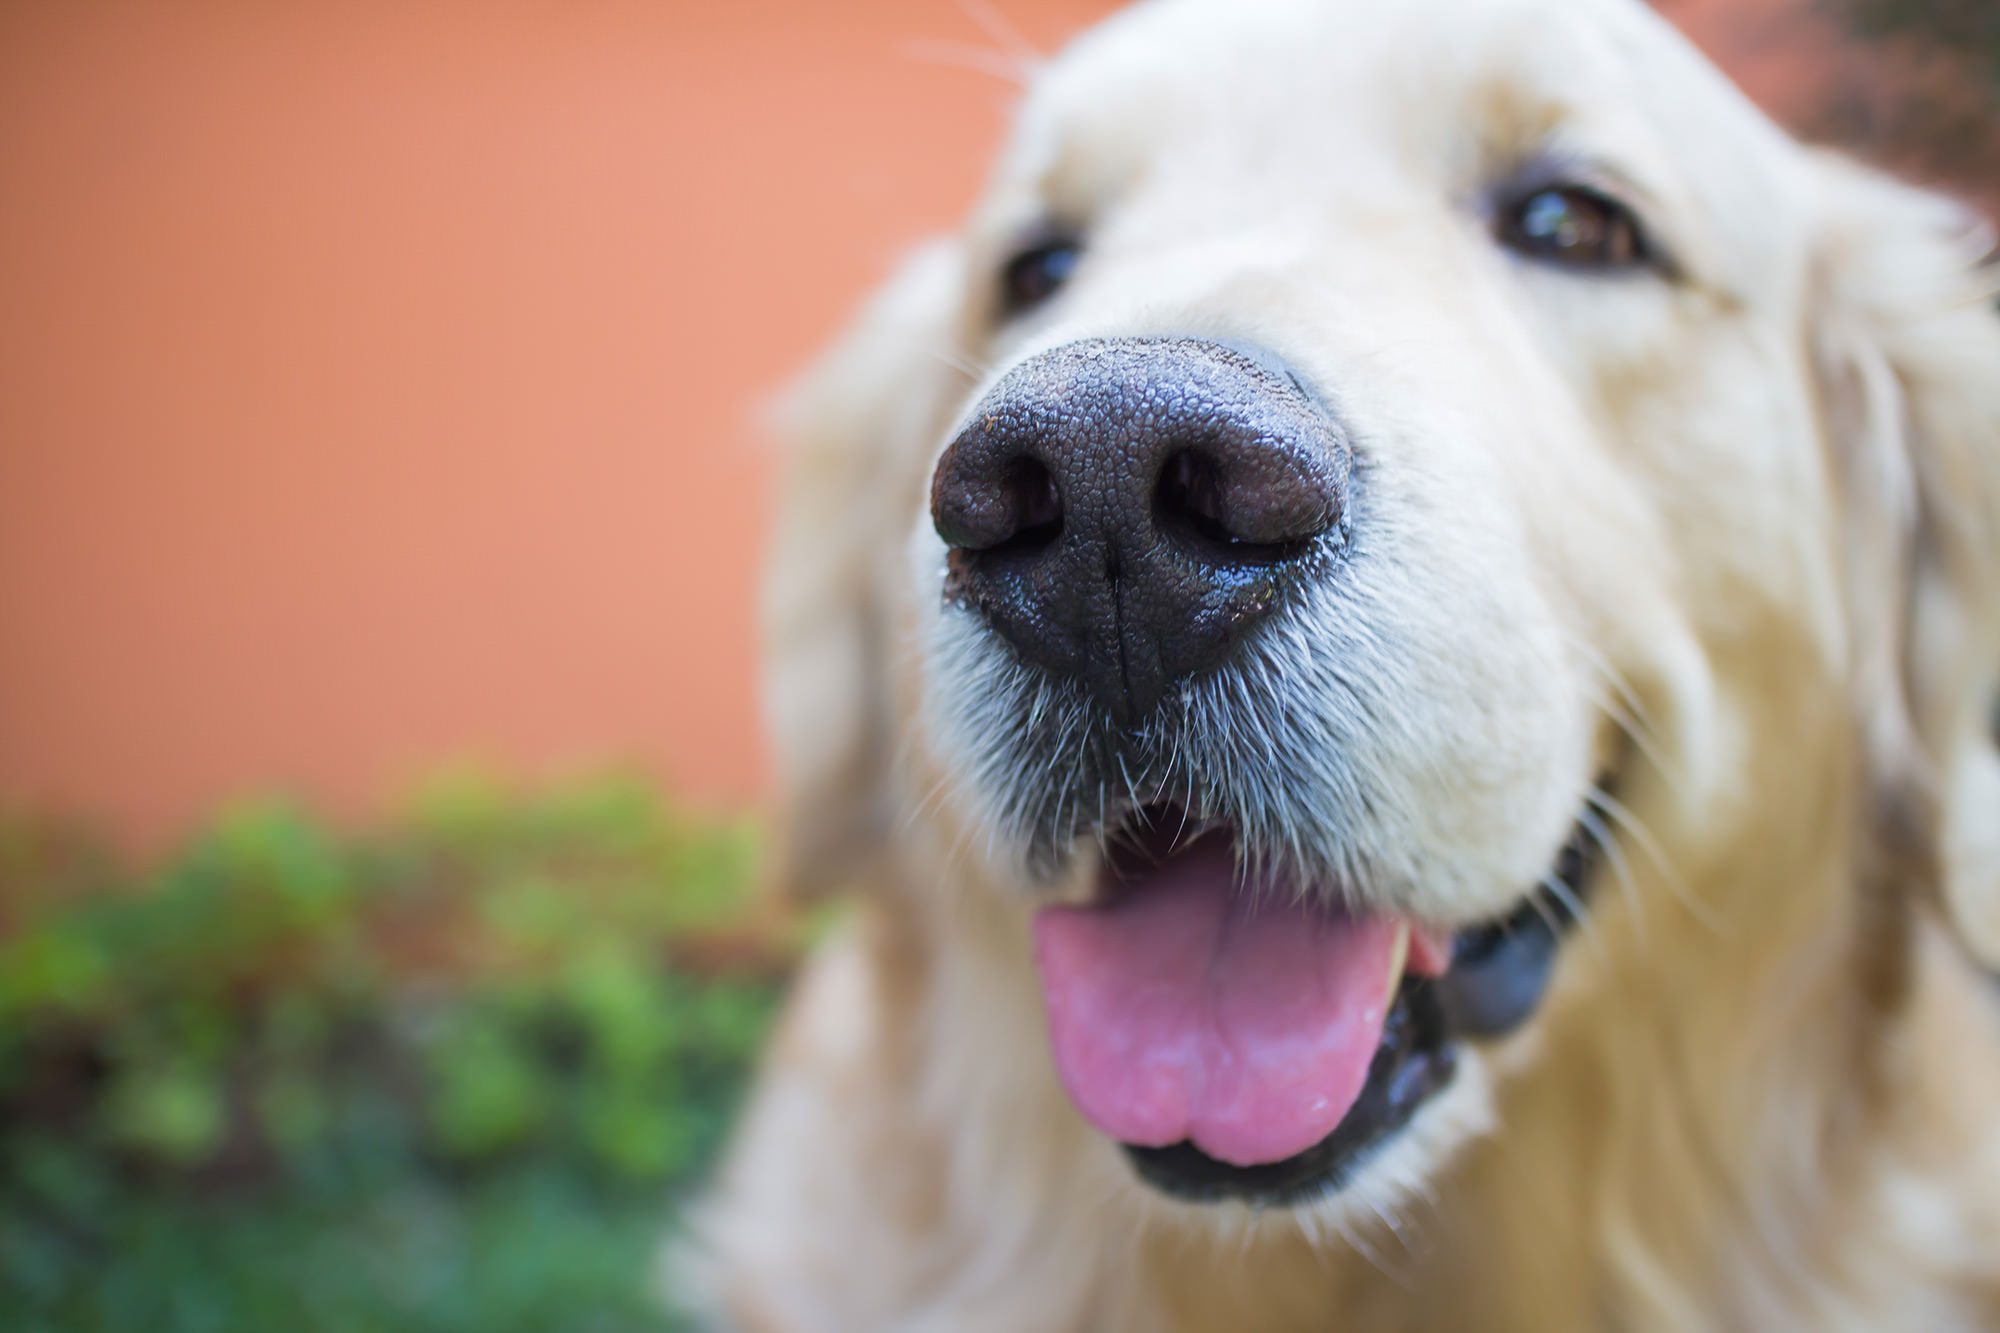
x,y
1415,493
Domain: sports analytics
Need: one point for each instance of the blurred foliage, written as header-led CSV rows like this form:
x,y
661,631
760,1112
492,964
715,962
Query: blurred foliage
x,y
448,1075
1967,28
1920,94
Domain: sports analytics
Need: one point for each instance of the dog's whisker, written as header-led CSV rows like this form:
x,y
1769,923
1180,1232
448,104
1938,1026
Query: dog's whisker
x,y
990,20
1387,1217
971,367
1308,1225
1352,1235
1131,788
1643,742
1620,869
1595,659
931,803
1102,811
1627,712
1572,908
1647,843
1037,709
966,56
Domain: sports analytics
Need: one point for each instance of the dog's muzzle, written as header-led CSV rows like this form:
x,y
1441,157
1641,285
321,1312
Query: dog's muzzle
x,y
1123,511
1124,515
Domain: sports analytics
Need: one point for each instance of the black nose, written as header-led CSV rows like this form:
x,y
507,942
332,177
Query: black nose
x,y
1124,510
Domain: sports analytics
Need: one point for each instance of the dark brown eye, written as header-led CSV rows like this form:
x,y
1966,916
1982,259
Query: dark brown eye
x,y
1574,226
1034,275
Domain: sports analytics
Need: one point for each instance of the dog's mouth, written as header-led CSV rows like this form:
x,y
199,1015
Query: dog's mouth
x,y
1243,1037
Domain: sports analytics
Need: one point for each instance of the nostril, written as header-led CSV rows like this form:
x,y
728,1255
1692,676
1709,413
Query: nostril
x,y
1036,506
1189,496
980,504
1193,501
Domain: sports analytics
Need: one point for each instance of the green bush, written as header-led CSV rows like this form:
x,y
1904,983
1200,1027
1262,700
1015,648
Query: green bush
x,y
1970,28
450,1074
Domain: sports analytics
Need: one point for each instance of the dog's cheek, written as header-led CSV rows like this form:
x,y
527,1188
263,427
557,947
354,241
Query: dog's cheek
x,y
860,428
1972,851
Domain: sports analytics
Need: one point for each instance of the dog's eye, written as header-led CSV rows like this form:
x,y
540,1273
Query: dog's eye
x,y
1576,227
1034,275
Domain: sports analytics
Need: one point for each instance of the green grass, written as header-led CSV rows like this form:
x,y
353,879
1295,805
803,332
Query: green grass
x,y
451,1074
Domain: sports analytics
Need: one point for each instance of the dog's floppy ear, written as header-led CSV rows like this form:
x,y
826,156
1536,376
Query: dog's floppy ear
x,y
859,429
1908,346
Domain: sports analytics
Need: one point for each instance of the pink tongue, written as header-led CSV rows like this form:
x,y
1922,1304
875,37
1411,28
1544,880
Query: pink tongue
x,y
1192,1008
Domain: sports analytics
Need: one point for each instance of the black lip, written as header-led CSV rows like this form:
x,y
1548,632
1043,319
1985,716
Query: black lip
x,y
1498,974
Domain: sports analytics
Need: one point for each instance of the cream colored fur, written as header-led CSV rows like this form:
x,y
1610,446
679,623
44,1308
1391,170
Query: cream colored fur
x,y
1730,533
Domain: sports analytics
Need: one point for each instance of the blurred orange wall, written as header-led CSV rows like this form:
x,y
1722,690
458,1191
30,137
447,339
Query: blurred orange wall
x,y
378,377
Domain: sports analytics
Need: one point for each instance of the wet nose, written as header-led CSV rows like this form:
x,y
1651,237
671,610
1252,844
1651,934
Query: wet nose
x,y
1124,511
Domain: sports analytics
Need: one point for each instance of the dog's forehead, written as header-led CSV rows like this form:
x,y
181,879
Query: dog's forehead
x,y
1401,99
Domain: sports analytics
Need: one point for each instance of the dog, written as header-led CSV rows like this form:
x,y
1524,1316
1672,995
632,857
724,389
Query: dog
x,y
1397,649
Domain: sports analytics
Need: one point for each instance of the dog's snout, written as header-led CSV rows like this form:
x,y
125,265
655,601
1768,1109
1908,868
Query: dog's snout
x,y
1123,511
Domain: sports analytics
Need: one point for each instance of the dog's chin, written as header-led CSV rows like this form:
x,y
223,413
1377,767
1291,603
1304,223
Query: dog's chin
x,y
1244,1037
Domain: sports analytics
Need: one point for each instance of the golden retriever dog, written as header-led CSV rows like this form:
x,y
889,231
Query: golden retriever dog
x,y
1397,647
